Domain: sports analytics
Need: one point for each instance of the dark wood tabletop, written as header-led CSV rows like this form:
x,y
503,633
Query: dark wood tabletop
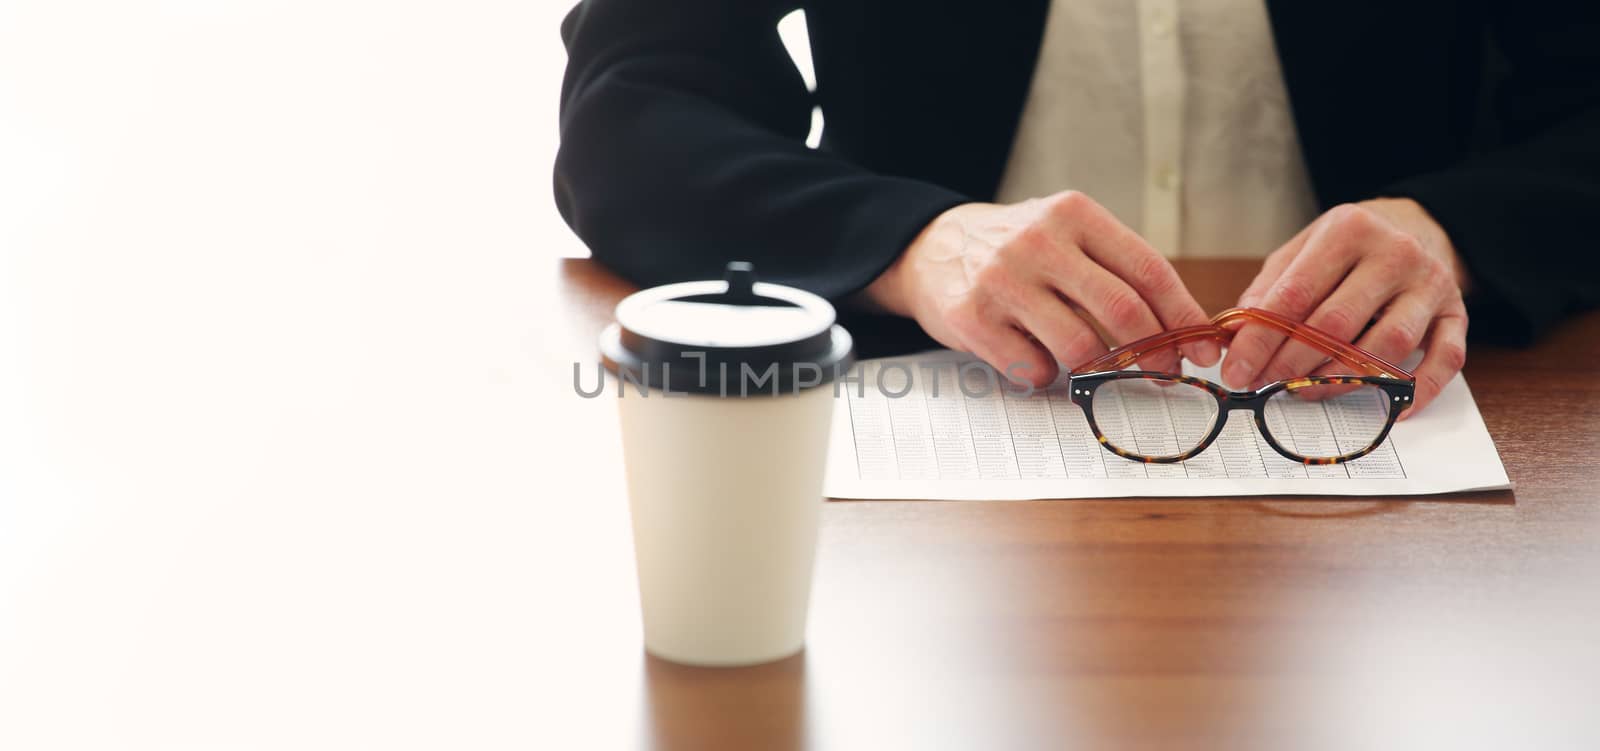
x,y
1451,621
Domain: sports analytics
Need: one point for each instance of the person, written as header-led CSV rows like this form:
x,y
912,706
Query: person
x,y
1013,176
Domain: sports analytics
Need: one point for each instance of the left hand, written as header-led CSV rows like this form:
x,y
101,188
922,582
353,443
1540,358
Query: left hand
x,y
1383,261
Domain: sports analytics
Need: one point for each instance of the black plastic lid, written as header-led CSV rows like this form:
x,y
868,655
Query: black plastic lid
x,y
735,337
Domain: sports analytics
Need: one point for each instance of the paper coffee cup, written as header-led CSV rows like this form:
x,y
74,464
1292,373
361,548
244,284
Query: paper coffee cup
x,y
725,398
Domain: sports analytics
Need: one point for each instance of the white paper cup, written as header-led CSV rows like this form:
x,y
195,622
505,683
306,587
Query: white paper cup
x,y
725,523
725,482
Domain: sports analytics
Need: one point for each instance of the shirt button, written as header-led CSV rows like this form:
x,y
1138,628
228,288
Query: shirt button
x,y
1161,26
1167,178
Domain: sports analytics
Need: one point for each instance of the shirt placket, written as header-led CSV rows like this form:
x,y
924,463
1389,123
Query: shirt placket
x,y
1161,78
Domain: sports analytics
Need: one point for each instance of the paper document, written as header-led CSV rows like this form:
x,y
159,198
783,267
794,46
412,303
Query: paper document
x,y
908,430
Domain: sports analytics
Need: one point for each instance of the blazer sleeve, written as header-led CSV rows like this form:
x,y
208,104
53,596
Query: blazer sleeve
x,y
1523,215
683,129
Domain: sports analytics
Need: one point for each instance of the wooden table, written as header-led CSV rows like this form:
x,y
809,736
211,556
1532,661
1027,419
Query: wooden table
x,y
1449,621
342,495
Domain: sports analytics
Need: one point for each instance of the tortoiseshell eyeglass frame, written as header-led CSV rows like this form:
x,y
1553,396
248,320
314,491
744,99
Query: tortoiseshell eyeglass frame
x,y
1398,385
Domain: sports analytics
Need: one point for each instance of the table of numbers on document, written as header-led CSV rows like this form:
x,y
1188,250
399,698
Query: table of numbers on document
x,y
913,423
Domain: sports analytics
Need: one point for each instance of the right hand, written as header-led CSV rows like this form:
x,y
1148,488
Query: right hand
x,y
1024,285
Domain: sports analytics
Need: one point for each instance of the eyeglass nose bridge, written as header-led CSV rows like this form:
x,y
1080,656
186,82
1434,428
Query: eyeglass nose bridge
x,y
1253,401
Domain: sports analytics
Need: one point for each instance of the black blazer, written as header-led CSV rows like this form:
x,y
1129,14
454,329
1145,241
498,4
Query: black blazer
x,y
683,127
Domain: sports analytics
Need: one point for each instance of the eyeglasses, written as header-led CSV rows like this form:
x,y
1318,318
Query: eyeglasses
x,y
1164,418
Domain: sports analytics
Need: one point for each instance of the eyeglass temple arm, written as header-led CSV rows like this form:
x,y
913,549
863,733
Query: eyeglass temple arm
x,y
1348,354
1331,346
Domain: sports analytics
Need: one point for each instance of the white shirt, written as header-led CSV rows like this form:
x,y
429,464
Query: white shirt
x,y
1172,115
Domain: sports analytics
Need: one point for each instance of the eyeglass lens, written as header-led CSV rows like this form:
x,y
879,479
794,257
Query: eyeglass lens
x,y
1154,418
1321,422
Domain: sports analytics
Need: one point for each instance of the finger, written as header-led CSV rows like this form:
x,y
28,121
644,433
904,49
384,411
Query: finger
x,y
1236,363
1443,358
1390,338
1051,321
1120,250
1118,308
1272,268
1330,251
1010,351
1345,313
1402,326
1394,337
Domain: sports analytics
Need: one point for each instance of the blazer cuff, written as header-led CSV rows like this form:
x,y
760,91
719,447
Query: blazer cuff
x,y
878,228
1509,303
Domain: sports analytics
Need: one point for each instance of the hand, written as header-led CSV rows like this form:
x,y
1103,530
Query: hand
x,y
1384,259
1024,285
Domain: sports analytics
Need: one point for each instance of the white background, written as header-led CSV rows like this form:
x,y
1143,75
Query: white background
x,y
274,297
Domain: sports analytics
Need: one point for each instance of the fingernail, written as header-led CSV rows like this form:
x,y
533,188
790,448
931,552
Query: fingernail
x,y
1209,352
1237,374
